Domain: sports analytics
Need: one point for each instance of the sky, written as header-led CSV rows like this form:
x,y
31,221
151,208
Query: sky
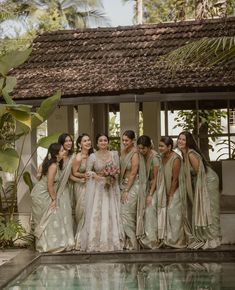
x,y
119,13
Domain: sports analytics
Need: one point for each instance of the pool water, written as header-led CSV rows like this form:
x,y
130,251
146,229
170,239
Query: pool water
x,y
132,276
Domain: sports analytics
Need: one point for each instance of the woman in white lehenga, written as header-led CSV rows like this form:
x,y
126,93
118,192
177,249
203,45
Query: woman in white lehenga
x,y
102,230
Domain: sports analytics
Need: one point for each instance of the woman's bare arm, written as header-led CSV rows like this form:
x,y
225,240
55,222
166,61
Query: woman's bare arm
x,y
50,180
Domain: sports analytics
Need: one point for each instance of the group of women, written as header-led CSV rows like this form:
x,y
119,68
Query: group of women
x,y
140,200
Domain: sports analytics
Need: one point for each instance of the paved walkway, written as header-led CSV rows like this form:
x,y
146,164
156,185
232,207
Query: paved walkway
x,y
6,255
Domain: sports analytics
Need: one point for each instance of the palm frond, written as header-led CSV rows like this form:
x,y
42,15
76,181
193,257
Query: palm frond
x,y
206,52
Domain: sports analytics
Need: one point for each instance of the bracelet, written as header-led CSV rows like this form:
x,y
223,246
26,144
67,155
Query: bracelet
x,y
125,190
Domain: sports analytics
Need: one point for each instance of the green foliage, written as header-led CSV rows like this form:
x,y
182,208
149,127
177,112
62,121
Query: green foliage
x,y
209,123
176,10
187,120
12,231
10,159
205,52
226,145
49,15
114,132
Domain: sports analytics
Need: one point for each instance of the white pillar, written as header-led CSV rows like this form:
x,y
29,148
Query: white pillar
x,y
129,117
86,120
152,121
61,120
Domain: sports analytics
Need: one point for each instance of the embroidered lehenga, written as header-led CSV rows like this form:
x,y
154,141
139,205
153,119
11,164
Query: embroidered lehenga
x,y
102,230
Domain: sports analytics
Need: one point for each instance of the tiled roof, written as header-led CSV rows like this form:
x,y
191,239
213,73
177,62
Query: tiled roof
x,y
104,61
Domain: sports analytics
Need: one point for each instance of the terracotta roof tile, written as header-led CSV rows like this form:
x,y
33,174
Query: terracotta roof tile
x,y
117,60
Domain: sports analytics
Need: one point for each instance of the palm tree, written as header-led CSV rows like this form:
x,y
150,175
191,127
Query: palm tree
x,y
204,52
54,14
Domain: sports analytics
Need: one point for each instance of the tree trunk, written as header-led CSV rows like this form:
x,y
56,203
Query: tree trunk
x,y
139,11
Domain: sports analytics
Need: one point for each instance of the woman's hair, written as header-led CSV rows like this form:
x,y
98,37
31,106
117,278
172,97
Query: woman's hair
x,y
145,141
61,140
168,141
130,134
79,140
100,135
191,144
50,158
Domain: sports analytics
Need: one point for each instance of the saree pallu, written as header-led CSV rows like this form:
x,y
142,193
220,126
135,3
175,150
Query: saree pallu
x,y
174,234
151,236
79,194
129,209
202,205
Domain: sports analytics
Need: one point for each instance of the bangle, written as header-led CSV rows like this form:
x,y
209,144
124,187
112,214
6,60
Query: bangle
x,y
125,190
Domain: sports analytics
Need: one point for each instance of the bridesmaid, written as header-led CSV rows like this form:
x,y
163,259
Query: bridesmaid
x,y
130,185
102,230
172,170
202,189
151,161
83,144
52,230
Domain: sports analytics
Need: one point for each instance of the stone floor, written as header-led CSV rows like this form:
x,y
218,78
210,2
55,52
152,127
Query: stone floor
x,y
6,255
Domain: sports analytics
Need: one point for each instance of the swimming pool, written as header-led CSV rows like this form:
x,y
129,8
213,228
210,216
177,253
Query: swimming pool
x,y
165,269
123,276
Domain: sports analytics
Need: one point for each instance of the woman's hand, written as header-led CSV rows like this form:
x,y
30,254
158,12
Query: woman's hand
x,y
53,204
149,199
169,199
124,196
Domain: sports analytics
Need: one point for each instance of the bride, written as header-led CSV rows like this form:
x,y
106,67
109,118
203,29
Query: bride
x,y
102,230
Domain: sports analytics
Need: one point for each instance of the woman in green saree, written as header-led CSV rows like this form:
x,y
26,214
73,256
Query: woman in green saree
x,y
150,161
52,219
171,171
79,171
202,192
129,184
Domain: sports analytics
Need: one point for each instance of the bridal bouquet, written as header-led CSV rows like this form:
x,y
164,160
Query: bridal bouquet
x,y
110,171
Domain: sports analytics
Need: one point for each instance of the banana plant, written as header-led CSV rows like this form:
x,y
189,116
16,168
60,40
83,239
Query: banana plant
x,y
14,115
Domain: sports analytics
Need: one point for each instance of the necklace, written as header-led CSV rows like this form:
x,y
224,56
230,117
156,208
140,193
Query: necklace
x,y
103,156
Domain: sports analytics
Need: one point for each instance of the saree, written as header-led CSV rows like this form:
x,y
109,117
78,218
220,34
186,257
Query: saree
x,y
152,220
53,227
174,234
202,188
79,196
129,209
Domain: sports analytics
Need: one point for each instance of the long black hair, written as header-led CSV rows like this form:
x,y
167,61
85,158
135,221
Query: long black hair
x,y
79,140
61,141
51,157
145,141
130,134
168,141
191,144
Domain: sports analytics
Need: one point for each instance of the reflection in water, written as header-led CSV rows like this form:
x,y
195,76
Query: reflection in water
x,y
118,276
